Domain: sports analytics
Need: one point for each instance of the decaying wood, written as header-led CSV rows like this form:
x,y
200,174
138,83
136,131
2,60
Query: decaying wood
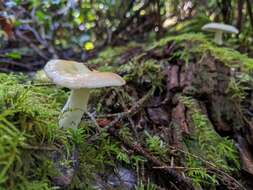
x,y
207,81
245,154
181,182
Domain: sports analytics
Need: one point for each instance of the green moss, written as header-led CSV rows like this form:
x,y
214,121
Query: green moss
x,y
148,70
28,130
109,57
98,157
207,150
28,120
228,56
190,37
187,45
197,43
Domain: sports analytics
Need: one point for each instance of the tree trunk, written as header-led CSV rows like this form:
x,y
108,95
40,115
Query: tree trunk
x,y
226,9
240,4
249,8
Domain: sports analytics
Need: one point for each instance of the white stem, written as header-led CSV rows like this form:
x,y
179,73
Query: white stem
x,y
218,38
74,108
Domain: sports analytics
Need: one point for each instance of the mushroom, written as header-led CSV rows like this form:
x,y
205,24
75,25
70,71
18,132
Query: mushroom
x,y
77,77
219,28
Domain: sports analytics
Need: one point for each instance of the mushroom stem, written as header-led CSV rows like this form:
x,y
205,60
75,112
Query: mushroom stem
x,y
74,108
218,38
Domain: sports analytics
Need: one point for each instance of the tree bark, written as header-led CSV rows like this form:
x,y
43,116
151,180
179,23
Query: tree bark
x,y
240,4
249,8
226,8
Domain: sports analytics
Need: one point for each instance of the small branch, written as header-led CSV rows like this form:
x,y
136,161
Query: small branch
x,y
128,117
42,41
39,84
93,119
42,148
33,46
112,115
172,167
132,111
213,167
5,70
178,180
181,182
14,63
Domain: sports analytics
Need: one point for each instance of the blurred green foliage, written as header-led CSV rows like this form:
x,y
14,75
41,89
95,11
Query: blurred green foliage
x,y
86,24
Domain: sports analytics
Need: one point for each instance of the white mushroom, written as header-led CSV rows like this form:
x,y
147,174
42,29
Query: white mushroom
x,y
80,80
219,29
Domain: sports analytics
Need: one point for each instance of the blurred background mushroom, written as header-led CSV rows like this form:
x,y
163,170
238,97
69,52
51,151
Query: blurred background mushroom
x,y
219,29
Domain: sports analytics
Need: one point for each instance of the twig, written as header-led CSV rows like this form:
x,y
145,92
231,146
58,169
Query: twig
x,y
113,35
94,120
29,147
42,41
128,117
39,84
178,180
112,115
171,167
11,62
173,185
43,84
181,182
33,46
212,166
132,111
5,70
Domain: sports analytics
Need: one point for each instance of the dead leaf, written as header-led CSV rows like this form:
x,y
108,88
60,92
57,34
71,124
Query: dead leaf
x,y
6,26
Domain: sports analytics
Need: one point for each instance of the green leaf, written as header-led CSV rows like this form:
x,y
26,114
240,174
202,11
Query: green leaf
x,y
13,55
40,16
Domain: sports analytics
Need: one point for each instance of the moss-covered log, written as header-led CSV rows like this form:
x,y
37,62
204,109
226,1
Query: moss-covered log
x,y
201,106
183,121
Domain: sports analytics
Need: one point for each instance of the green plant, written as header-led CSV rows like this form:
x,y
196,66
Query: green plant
x,y
198,44
147,186
148,71
237,87
156,145
28,116
207,147
77,136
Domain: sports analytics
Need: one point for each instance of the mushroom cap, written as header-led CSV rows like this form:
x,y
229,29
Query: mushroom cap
x,y
215,27
76,75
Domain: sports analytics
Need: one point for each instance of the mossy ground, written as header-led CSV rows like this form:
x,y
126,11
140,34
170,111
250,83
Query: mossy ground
x,y
29,131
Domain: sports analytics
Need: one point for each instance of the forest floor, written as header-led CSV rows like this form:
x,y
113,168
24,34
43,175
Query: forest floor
x,y
182,121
